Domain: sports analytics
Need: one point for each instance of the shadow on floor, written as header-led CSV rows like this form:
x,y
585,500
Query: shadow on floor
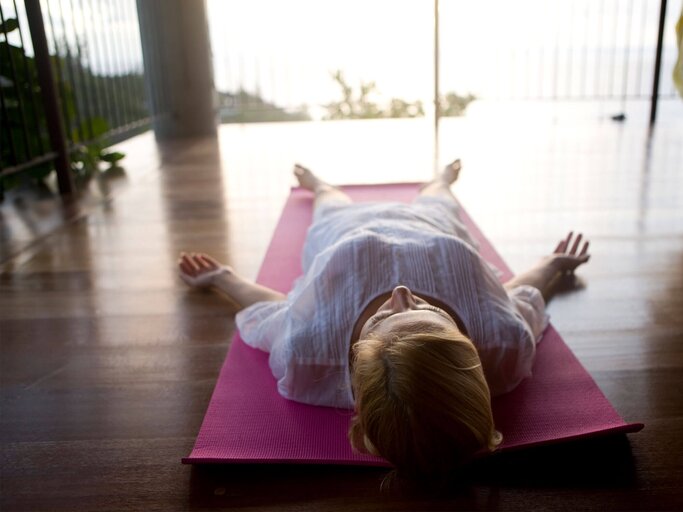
x,y
605,464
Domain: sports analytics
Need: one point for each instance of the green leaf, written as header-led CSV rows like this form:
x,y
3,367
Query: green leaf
x,y
99,125
112,157
9,25
6,62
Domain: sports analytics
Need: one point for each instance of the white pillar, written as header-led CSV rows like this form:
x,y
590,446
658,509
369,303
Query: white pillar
x,y
178,68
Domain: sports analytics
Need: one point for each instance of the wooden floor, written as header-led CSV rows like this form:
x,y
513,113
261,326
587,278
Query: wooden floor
x,y
108,361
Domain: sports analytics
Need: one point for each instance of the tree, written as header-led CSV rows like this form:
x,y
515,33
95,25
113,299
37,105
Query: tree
x,y
453,105
244,107
353,106
359,106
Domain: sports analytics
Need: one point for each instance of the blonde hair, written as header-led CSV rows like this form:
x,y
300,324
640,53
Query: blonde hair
x,y
422,402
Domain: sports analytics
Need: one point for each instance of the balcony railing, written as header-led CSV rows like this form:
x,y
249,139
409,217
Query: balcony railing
x,y
528,50
92,50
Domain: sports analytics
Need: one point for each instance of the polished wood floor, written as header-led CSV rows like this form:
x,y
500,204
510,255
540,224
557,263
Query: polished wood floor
x,y
108,361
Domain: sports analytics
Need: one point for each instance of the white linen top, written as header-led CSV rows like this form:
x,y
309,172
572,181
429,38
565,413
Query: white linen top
x,y
354,253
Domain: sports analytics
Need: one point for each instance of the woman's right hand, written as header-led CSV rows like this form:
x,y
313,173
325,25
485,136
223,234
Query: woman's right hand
x,y
200,270
567,257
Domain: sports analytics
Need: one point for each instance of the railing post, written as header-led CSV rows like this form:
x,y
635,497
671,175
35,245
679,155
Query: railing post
x,y
48,91
658,63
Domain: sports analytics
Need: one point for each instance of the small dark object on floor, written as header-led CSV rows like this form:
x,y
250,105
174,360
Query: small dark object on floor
x,y
619,117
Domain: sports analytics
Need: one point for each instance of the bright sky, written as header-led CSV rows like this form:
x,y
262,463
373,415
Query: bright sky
x,y
292,47
287,50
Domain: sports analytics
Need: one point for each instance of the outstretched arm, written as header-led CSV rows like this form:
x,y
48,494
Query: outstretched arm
x,y
202,271
565,259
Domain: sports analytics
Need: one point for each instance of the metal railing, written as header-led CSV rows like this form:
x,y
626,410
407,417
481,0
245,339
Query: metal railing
x,y
553,50
527,50
90,50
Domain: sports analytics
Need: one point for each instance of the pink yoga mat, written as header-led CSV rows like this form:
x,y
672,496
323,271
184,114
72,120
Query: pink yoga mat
x,y
249,422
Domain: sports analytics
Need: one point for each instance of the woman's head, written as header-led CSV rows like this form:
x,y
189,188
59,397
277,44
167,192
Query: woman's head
x,y
421,397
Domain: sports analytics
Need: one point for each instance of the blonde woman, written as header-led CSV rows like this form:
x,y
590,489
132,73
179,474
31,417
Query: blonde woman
x,y
397,317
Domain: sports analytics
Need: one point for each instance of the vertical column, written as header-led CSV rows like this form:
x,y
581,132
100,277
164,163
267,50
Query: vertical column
x,y
178,69
48,91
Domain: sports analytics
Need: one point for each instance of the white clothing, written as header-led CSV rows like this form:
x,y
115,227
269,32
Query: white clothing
x,y
355,252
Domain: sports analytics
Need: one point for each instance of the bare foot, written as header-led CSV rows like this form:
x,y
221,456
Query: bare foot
x,y
443,181
451,172
307,179
200,270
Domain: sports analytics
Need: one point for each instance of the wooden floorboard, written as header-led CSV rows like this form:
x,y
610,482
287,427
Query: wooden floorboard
x,y
108,360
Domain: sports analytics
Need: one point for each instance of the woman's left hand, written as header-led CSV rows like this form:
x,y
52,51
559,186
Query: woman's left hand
x,y
569,253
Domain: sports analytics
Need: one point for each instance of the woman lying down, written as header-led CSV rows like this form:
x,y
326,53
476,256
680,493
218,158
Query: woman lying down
x,y
397,317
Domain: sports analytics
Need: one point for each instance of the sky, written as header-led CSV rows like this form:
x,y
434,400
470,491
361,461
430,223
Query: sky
x,y
287,50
